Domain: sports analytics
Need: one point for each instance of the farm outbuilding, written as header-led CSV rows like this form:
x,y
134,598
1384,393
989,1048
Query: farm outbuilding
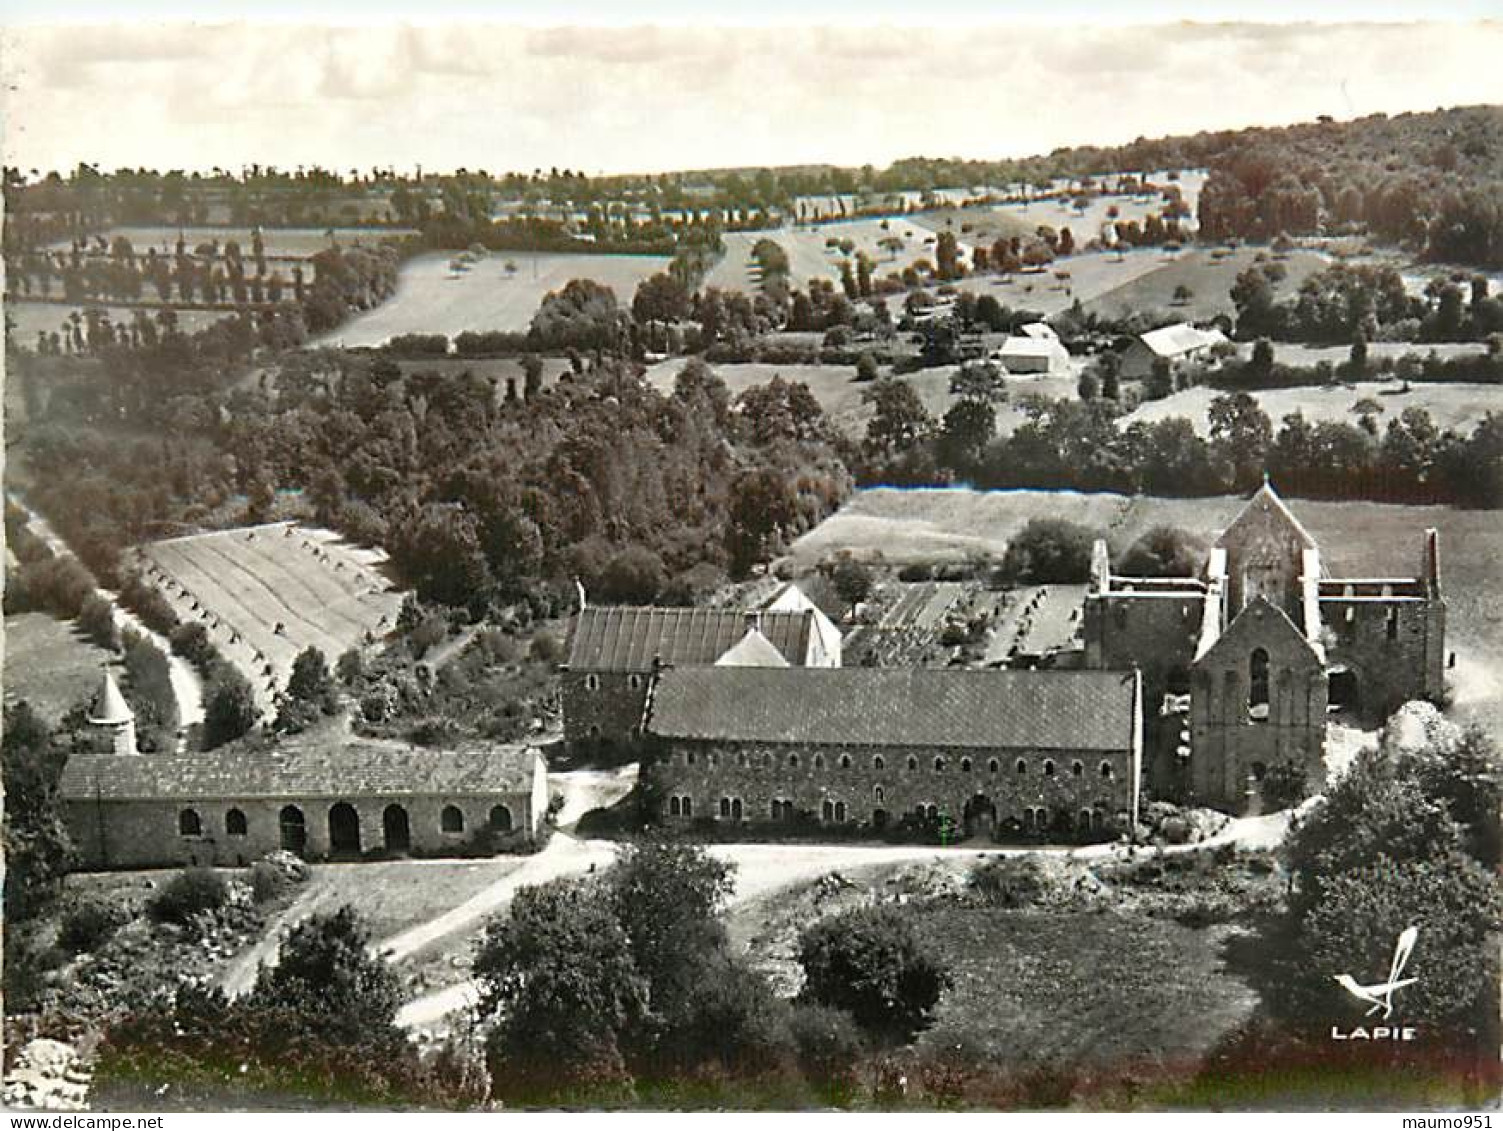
x,y
334,800
1027,353
1175,345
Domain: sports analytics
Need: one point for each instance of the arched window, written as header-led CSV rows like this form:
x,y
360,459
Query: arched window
x,y
931,812
688,807
188,823
845,761
234,823
793,761
819,761
741,759
500,818
840,812
1077,767
1257,685
735,808
725,807
878,763
595,732
1048,767
674,808
592,682
965,765
993,766
1106,769
1022,766
939,764
1085,820
877,794
827,810
451,820
688,757
912,762
634,681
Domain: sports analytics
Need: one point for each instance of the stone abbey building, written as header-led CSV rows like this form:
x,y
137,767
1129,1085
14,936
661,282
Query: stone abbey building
x,y
323,800
1242,664
1016,752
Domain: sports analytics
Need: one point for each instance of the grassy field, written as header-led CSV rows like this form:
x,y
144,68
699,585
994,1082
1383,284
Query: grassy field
x,y
1357,539
839,393
1098,993
1458,406
809,257
299,243
49,664
31,317
1209,279
431,299
1087,276
241,584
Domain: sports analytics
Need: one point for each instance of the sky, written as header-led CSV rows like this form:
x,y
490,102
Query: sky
x,y
576,85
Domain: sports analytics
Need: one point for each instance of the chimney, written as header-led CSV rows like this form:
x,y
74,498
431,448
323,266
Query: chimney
x,y
1431,574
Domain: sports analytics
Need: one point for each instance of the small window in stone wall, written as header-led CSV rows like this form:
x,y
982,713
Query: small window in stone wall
x,y
688,757
793,761
1392,626
878,763
1106,769
634,681
592,682
845,761
675,809
451,820
965,765
939,764
1048,767
819,761
912,762
234,823
993,766
741,760
877,794
1022,766
1077,768
189,824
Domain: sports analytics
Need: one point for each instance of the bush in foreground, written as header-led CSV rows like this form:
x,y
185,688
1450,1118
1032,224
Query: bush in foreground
x,y
189,893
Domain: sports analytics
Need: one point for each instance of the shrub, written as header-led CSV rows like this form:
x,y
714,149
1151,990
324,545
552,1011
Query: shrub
x,y
828,1044
267,881
89,923
96,619
191,892
1007,882
868,962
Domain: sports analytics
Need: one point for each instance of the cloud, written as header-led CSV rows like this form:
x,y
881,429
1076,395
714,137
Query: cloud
x,y
648,98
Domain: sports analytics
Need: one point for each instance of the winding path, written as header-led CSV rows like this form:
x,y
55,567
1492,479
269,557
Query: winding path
x,y
187,687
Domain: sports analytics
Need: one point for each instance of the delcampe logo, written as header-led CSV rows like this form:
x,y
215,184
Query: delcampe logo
x,y
1379,995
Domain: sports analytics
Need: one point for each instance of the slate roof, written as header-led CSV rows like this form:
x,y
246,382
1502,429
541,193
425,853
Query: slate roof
x,y
944,707
348,769
627,638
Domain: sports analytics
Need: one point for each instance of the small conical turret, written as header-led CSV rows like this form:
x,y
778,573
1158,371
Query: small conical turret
x,y
113,713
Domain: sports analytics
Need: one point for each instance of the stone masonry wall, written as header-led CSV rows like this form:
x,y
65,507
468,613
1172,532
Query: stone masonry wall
x,y
603,706
144,834
1390,669
866,780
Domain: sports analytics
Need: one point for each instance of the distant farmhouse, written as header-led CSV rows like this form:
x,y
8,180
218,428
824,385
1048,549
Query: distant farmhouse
x,y
1248,659
1034,349
233,804
1175,345
1200,689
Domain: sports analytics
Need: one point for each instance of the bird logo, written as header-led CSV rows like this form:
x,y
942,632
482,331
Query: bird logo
x,y
1379,995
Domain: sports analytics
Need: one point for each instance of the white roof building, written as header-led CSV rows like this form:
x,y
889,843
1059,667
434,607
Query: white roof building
x,y
1021,354
1179,342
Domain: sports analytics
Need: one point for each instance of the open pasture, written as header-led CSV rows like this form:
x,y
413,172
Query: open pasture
x,y
1045,292
810,257
280,243
265,593
432,299
1459,406
50,664
52,317
1357,539
1100,993
1208,274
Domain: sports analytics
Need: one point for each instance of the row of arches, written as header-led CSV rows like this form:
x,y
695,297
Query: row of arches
x,y
343,826
979,813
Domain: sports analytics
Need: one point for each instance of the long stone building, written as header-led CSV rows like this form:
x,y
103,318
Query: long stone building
x,y
1242,664
322,800
1056,754
614,650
